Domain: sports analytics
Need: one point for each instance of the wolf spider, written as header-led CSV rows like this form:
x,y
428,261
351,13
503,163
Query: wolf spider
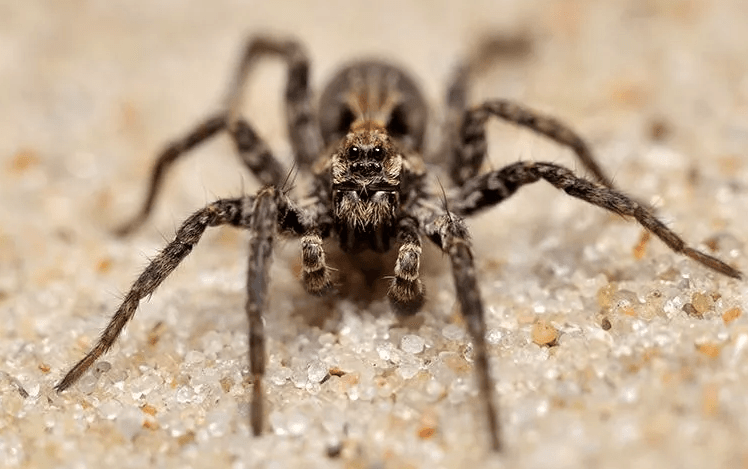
x,y
370,190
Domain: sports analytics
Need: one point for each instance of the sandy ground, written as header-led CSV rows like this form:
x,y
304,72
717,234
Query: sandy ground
x,y
91,90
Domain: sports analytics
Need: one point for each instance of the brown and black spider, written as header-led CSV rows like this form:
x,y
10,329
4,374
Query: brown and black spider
x,y
370,191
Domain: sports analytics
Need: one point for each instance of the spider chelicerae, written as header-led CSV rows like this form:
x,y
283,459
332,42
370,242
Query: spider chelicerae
x,y
370,190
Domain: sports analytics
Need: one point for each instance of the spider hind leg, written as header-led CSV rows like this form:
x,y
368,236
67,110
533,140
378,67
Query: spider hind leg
x,y
470,148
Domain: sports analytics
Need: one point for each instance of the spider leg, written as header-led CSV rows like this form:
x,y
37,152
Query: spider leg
x,y
252,150
256,155
221,212
406,291
303,128
488,52
262,229
238,212
491,188
205,130
450,234
469,150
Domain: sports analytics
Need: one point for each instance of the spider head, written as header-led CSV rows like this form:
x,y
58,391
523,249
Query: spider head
x,y
366,177
367,160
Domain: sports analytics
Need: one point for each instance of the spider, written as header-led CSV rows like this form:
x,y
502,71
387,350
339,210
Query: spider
x,y
370,190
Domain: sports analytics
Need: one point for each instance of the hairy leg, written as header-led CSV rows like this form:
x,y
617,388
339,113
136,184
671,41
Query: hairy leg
x,y
262,229
470,148
406,291
303,128
489,51
254,153
238,212
492,188
204,131
450,234
227,211
252,150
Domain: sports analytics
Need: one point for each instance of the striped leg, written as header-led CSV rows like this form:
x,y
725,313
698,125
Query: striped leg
x,y
262,230
406,291
264,215
487,53
303,128
173,151
492,188
450,233
227,211
252,151
469,152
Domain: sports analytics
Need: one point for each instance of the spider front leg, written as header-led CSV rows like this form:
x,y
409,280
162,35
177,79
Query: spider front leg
x,y
260,215
489,189
406,291
262,229
450,234
469,150
226,211
272,208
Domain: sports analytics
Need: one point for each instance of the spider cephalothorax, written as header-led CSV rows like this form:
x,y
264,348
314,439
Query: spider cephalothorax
x,y
366,187
371,191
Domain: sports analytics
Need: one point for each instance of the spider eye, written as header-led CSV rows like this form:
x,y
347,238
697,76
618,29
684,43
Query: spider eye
x,y
354,153
377,153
